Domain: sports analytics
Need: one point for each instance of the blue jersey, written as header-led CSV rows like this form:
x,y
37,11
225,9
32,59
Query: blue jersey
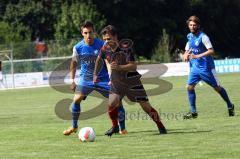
x,y
195,43
86,56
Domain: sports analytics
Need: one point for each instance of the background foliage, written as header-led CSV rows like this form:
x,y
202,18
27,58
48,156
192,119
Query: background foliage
x,y
141,20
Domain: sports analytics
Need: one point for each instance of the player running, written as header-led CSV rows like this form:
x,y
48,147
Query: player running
x,y
85,53
125,80
198,52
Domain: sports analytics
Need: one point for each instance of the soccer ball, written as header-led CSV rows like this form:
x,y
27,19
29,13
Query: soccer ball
x,y
86,134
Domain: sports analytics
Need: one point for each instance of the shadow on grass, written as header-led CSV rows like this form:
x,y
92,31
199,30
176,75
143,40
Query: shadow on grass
x,y
184,131
155,132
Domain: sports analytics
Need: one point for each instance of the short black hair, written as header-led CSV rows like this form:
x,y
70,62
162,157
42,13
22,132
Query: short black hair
x,y
87,24
110,29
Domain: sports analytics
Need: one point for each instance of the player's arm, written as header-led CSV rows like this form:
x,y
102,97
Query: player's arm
x,y
187,53
97,68
207,43
206,53
131,66
108,67
73,68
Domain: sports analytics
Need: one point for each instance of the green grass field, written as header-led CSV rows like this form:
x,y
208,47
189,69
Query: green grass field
x,y
29,127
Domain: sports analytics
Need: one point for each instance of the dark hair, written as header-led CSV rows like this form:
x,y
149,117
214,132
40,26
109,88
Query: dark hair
x,y
194,19
87,24
110,29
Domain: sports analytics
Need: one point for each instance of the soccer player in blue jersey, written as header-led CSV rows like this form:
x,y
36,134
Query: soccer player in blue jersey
x,y
85,53
198,52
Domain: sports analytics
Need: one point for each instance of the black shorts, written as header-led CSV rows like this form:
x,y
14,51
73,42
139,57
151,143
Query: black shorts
x,y
130,86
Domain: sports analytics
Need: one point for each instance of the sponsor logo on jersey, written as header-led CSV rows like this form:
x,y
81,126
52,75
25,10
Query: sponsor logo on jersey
x,y
197,42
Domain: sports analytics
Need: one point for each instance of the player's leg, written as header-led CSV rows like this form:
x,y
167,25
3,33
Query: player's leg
x,y
76,110
103,88
81,92
113,105
211,79
153,115
193,79
121,119
192,103
137,93
224,95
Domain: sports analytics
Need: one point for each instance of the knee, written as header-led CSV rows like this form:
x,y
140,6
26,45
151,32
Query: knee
x,y
77,99
113,105
145,105
190,87
112,108
218,88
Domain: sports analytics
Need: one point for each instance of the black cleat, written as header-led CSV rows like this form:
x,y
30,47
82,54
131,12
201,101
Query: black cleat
x,y
112,131
190,115
162,131
231,111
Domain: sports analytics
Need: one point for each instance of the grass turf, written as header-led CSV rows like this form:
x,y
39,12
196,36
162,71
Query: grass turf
x,y
29,127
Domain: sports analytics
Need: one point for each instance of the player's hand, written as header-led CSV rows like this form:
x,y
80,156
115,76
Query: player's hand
x,y
114,66
73,86
95,79
187,55
104,48
192,56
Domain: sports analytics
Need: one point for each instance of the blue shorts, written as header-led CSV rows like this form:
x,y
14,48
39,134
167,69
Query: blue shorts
x,y
207,76
86,87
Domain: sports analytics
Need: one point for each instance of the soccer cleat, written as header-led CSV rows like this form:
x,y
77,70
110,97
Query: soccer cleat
x,y
69,131
231,111
162,131
112,131
190,115
123,132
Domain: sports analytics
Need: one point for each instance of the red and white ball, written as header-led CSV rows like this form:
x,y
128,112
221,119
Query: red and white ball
x,y
86,134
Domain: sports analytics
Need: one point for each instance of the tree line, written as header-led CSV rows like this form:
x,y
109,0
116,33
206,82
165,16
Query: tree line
x,y
155,26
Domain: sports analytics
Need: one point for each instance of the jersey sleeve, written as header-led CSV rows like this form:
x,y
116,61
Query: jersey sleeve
x,y
187,47
206,41
1,76
75,54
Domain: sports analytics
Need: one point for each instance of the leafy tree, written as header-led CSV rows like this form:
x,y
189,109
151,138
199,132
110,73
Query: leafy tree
x,y
163,48
10,34
34,15
73,15
221,23
140,20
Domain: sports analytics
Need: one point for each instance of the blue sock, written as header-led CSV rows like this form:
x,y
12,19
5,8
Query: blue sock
x,y
192,100
75,114
224,95
121,117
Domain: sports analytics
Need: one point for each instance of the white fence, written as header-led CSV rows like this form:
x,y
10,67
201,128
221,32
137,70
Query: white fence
x,y
23,80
